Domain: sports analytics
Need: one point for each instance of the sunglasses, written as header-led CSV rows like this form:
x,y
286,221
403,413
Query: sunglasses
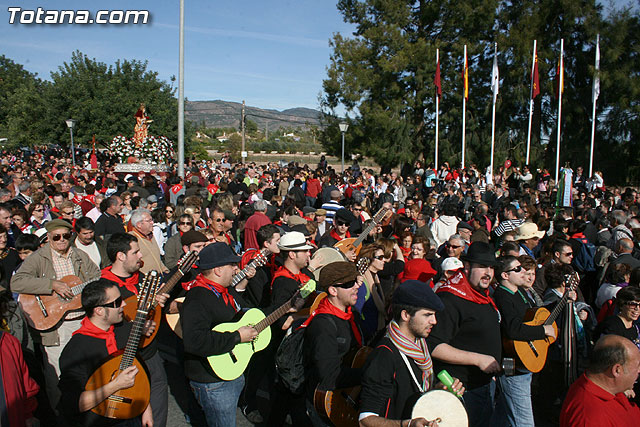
x,y
517,269
568,254
169,211
454,246
219,219
65,236
339,223
379,257
347,285
633,304
184,223
113,304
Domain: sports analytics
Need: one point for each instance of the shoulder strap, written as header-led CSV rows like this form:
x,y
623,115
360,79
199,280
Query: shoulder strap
x,y
413,374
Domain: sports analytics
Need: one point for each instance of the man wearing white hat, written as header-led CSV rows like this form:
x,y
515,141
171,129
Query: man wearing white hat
x,y
528,237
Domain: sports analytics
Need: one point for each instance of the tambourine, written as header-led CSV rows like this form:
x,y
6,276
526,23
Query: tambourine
x,y
441,406
329,255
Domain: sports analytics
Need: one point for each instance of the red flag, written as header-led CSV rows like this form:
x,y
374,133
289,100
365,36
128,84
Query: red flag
x,y
559,86
535,81
436,81
465,77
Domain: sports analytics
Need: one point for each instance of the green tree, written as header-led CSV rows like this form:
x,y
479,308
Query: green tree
x,y
12,77
29,113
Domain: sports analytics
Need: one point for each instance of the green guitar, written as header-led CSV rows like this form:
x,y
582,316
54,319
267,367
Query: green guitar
x,y
229,366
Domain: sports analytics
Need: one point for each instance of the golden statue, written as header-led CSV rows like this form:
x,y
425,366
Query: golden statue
x,y
141,130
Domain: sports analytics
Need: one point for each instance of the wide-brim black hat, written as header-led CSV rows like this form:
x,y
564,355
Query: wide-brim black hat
x,y
480,253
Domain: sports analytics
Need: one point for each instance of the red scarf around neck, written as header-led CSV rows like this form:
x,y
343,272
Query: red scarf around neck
x,y
325,306
131,283
203,282
459,285
335,235
91,330
284,272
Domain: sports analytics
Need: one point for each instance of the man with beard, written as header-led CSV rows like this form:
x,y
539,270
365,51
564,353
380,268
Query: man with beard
x,y
389,389
466,341
126,258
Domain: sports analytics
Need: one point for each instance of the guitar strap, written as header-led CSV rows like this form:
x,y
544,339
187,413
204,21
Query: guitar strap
x,y
413,374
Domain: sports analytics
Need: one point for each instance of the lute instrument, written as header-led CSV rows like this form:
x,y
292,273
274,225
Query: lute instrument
x,y
355,243
532,355
261,258
129,402
45,312
184,265
230,365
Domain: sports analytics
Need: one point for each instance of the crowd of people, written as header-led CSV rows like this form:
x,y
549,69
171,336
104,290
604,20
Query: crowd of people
x,y
432,270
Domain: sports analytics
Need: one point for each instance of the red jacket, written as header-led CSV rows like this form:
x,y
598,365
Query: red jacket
x,y
313,188
19,389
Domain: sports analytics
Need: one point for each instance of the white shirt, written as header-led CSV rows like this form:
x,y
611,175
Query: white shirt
x,y
91,250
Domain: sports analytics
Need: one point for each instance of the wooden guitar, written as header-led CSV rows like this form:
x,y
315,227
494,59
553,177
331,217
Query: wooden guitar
x,y
341,406
261,258
129,402
45,312
232,364
362,264
532,355
355,243
184,265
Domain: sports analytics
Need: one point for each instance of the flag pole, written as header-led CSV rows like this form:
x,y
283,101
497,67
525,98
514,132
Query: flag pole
x,y
596,93
464,101
437,112
494,76
560,86
533,64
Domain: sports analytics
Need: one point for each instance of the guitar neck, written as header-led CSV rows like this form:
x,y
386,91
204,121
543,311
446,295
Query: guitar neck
x,y
134,340
364,234
559,306
172,282
254,263
77,289
267,321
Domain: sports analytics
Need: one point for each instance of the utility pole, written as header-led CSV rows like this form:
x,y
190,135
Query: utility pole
x,y
181,95
266,138
242,154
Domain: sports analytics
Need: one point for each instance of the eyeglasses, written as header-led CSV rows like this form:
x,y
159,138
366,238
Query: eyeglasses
x,y
184,223
633,304
116,303
517,269
57,237
39,210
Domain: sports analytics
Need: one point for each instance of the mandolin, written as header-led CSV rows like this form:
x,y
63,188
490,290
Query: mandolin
x,y
533,354
355,243
261,258
229,366
184,265
45,312
129,402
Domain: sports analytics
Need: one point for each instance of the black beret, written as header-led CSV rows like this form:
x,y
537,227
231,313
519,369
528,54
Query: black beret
x,y
337,273
345,215
417,294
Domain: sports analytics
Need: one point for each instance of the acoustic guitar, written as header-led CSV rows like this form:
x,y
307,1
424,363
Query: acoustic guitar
x,y
129,402
261,258
341,406
533,354
232,364
355,243
362,264
45,312
184,265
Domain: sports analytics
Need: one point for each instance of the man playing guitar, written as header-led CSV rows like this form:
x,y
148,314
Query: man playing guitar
x,y
513,304
400,369
124,252
340,230
332,333
102,334
208,303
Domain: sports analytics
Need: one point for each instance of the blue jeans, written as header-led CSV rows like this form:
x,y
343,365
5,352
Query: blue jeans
x,y
515,400
219,400
479,405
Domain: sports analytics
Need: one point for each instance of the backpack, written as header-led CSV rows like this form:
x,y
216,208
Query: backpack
x,y
290,359
584,261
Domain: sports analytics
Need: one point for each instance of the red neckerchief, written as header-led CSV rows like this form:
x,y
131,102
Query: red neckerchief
x,y
284,272
203,282
130,283
326,307
91,330
333,234
459,285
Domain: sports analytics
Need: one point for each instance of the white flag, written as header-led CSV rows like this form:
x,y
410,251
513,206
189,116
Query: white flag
x,y
596,80
495,75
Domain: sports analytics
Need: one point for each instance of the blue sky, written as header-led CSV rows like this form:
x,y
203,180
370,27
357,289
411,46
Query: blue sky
x,y
273,53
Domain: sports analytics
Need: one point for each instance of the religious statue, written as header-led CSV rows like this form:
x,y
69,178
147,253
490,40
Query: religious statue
x,y
141,130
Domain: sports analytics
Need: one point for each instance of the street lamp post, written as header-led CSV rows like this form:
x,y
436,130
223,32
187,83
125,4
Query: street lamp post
x,y
70,124
343,129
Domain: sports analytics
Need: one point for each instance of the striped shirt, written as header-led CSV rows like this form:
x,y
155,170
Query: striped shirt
x,y
507,225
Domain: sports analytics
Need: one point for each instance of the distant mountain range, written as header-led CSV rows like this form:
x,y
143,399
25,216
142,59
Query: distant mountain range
x,y
225,114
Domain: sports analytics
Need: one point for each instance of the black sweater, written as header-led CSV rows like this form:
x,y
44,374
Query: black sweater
x,y
467,326
79,359
201,312
388,389
513,306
